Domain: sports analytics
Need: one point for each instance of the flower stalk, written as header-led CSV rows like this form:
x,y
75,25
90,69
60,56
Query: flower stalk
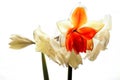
x,y
44,66
69,73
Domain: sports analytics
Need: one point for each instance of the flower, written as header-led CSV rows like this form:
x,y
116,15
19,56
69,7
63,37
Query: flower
x,y
77,32
85,36
78,35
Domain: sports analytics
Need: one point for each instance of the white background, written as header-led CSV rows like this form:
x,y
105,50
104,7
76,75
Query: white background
x,y
23,16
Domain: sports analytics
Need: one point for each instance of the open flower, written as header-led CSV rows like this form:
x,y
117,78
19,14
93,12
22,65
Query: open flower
x,y
79,35
85,36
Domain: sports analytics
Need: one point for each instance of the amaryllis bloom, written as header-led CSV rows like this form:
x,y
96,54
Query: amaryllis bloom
x,y
79,35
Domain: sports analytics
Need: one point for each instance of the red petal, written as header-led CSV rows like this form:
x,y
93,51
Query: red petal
x,y
69,43
87,32
76,42
79,44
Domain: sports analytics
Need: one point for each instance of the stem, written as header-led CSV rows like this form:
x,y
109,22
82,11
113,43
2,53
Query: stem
x,y
69,73
44,66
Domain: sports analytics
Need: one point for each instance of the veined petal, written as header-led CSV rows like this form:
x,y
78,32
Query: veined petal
x,y
64,26
78,17
103,24
87,32
97,25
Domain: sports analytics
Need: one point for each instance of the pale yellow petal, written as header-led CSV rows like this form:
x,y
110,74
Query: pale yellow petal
x,y
63,26
97,25
74,60
18,42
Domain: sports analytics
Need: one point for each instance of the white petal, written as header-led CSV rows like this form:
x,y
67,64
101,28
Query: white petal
x,y
63,26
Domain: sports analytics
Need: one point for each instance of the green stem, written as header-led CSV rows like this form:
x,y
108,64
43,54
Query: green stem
x,y
69,73
44,66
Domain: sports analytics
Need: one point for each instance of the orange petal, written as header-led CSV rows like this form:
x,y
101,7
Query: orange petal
x,y
87,32
78,17
90,44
